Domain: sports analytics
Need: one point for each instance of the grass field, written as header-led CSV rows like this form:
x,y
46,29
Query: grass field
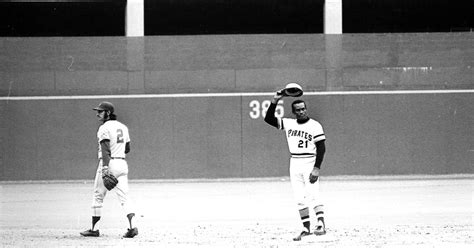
x,y
383,211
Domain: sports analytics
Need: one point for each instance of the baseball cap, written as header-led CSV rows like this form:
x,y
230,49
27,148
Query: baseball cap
x,y
293,89
107,106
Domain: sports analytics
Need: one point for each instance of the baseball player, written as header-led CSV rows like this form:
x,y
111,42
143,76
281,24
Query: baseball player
x,y
305,137
114,143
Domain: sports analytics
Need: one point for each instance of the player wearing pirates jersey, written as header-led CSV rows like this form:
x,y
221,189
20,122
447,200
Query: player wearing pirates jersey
x,y
306,143
114,142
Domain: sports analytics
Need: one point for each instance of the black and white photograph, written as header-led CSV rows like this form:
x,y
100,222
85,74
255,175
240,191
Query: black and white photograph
x,y
237,123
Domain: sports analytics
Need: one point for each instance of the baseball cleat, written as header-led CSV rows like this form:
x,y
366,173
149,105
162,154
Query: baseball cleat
x,y
90,233
320,230
131,233
302,234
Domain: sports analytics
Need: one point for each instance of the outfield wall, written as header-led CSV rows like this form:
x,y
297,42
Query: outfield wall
x,y
390,104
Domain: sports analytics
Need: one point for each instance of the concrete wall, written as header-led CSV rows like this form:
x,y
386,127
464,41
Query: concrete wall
x,y
209,136
245,63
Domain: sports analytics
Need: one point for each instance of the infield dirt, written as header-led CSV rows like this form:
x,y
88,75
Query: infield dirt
x,y
412,211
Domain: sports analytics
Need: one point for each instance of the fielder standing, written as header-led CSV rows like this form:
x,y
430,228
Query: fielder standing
x,y
305,139
114,143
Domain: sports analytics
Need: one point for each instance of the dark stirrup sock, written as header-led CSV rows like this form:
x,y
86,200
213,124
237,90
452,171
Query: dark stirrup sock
x,y
129,217
95,219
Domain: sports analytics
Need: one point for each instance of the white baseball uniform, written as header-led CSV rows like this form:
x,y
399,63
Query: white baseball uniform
x,y
118,135
301,144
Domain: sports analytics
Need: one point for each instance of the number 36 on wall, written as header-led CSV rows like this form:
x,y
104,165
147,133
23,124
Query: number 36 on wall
x,y
258,109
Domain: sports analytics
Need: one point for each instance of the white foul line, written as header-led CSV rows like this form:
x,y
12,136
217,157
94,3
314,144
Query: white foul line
x,y
314,93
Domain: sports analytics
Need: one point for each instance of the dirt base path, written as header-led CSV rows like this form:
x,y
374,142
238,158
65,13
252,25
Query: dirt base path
x,y
435,211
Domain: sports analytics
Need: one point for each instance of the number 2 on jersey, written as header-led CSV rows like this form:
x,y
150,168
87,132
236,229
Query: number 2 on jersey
x,y
119,136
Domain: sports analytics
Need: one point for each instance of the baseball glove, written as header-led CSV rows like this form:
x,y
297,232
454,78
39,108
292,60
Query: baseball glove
x,y
110,181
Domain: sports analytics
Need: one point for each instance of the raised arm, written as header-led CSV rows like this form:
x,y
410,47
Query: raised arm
x,y
270,116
